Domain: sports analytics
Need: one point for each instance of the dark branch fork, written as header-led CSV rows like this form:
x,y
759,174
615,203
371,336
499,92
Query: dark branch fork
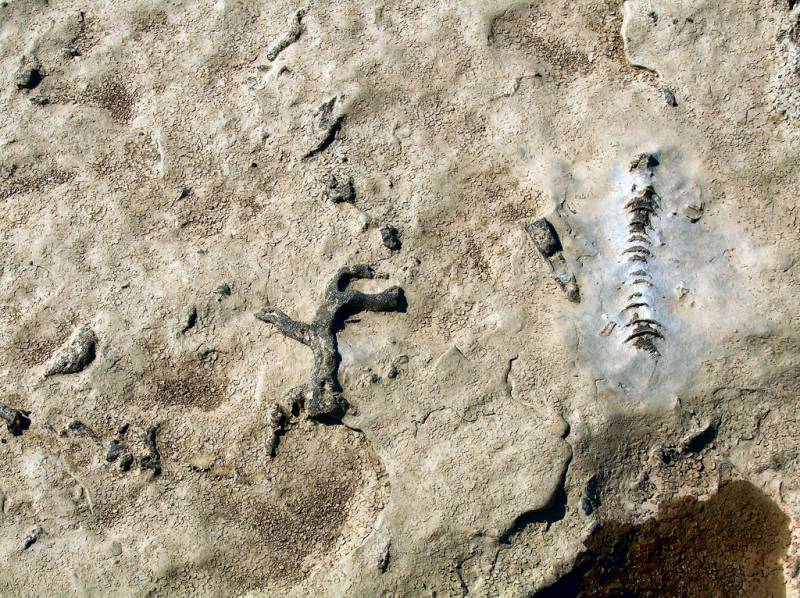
x,y
321,396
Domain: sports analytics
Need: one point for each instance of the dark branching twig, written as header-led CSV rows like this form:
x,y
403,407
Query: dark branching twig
x,y
322,395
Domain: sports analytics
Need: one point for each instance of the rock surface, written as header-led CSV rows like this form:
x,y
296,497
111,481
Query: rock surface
x,y
498,436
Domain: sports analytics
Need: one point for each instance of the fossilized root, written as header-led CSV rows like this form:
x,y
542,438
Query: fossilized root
x,y
321,396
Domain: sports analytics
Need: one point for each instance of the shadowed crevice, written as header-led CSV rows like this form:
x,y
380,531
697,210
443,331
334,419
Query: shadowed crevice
x,y
552,514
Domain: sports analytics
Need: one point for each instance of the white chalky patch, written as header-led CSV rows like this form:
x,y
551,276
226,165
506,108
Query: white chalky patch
x,y
690,290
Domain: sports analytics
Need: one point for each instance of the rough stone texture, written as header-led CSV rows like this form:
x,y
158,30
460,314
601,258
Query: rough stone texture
x,y
177,149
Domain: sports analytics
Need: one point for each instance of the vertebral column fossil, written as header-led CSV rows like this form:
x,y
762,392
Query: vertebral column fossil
x,y
322,395
641,327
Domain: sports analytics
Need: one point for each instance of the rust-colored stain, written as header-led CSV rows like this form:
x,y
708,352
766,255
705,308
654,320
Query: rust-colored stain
x,y
730,545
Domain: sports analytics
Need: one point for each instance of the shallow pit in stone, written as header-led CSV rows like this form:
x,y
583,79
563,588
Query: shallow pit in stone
x,y
731,545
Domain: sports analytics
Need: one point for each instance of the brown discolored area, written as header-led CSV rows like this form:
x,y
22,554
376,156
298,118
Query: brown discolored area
x,y
112,95
203,213
527,30
194,380
33,344
291,514
188,388
536,30
730,545
32,181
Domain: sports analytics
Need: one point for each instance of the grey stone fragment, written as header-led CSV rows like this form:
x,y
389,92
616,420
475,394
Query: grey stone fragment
x,y
544,237
115,449
546,241
390,238
31,539
223,289
340,188
75,355
295,31
644,162
28,77
694,212
328,126
118,449
115,549
188,318
152,460
126,462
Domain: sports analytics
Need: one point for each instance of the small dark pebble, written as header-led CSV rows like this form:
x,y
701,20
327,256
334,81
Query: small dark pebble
x,y
190,317
184,192
340,189
16,421
28,78
670,98
31,538
39,100
223,289
390,238
115,449
70,52
392,373
126,462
